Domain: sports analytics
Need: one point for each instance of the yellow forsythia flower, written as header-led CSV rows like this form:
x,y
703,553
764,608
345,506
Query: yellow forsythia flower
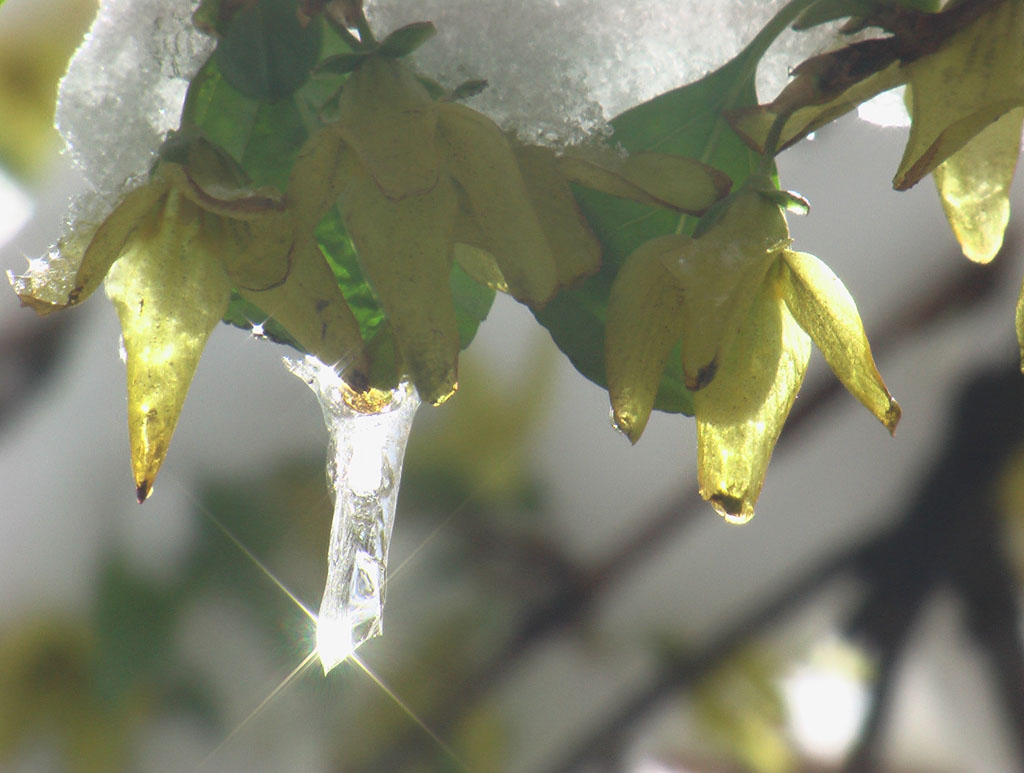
x,y
746,308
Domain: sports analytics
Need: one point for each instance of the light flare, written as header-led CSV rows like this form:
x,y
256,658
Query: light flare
x,y
334,642
334,645
827,700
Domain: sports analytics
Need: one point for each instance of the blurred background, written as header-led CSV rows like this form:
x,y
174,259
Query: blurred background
x,y
559,600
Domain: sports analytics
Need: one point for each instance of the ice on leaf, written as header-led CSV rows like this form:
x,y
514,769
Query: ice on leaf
x,y
558,69
368,434
123,91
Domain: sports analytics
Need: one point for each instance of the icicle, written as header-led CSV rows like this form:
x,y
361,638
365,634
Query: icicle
x,y
364,468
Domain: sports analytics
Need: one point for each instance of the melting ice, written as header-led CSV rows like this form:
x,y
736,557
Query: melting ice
x,y
364,468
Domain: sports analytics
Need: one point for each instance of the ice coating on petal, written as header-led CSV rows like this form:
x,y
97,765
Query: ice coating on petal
x,y
125,87
364,469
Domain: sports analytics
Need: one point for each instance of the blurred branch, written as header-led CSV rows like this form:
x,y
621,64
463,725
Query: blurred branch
x,y
572,602
610,733
950,534
864,756
991,591
28,354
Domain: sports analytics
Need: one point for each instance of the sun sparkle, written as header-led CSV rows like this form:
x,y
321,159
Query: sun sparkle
x,y
334,641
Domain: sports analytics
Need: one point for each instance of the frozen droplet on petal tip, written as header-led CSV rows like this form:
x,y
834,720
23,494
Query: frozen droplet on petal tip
x,y
732,509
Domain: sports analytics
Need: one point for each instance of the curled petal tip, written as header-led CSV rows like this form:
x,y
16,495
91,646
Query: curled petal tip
x,y
444,392
703,376
629,424
143,489
892,416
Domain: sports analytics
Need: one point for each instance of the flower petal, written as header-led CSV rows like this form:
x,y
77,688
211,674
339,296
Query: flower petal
x,y
169,292
482,162
974,184
313,310
657,179
741,413
1020,325
314,185
644,323
975,77
722,271
576,250
85,263
388,118
824,308
405,250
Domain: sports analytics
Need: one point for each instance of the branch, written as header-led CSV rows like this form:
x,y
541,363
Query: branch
x,y
571,603
610,733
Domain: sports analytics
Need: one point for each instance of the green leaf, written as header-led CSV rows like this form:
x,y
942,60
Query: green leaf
x,y
407,39
434,89
575,318
245,315
336,245
472,300
223,113
829,10
825,11
267,52
275,136
687,121
472,304
209,17
928,6
467,89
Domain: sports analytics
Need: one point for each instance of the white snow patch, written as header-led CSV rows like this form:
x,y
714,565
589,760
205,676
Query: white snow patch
x,y
559,68
125,87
